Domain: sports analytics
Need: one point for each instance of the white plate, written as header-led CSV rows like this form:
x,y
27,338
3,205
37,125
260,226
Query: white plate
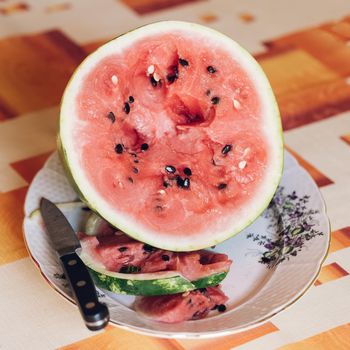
x,y
275,260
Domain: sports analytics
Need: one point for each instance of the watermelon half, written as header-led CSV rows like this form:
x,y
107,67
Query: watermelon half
x,y
171,133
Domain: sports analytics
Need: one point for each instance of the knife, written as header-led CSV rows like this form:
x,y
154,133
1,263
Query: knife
x,y
65,243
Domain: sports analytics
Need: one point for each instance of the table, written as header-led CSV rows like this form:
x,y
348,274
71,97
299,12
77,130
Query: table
x,y
303,46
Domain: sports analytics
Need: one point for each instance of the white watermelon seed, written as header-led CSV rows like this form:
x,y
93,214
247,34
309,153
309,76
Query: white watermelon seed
x,y
156,77
162,192
150,69
246,151
242,164
114,79
236,104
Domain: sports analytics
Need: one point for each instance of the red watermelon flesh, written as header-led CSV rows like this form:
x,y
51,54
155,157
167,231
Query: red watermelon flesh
x,y
118,252
181,307
182,128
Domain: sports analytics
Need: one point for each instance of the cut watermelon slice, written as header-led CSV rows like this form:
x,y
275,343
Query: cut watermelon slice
x,y
171,133
147,284
182,307
124,266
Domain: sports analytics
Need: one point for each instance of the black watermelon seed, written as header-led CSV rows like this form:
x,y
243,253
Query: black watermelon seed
x,y
144,147
135,170
136,161
126,108
148,248
215,100
153,81
188,171
202,290
122,249
133,268
222,186
208,92
221,308
179,181
226,149
129,269
186,183
119,148
183,62
170,169
211,69
166,184
171,78
130,179
165,257
131,99
111,117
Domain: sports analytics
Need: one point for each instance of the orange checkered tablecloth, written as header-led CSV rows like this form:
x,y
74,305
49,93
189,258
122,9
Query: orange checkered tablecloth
x,y
303,46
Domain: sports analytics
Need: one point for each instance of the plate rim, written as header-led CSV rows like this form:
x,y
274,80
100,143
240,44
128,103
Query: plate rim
x,y
208,334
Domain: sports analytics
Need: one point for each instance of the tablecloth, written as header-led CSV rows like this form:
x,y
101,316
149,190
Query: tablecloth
x,y
304,48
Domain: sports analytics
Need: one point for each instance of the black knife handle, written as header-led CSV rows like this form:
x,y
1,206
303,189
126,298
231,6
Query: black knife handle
x,y
95,314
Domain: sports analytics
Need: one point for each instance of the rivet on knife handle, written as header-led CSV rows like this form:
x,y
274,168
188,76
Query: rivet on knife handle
x,y
94,313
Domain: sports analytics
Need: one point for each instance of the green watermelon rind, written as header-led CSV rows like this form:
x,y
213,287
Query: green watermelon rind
x,y
62,153
93,224
146,284
211,280
277,134
157,286
132,284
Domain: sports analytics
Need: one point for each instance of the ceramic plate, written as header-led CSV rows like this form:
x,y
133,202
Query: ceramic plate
x,y
275,260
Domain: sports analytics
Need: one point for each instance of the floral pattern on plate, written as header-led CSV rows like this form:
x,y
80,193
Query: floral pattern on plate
x,y
294,221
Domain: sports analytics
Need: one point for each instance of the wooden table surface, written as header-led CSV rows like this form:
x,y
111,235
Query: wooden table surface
x,y
303,46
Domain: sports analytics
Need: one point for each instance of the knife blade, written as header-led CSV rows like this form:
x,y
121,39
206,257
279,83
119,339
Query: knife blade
x,y
65,242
